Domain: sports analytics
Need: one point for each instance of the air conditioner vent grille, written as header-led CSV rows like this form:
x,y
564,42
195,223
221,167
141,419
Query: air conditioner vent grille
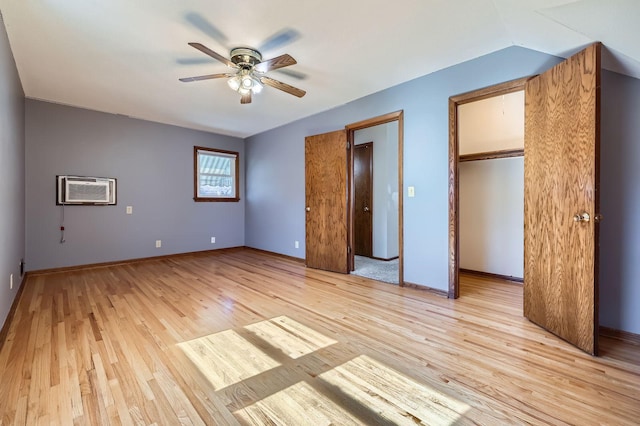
x,y
85,190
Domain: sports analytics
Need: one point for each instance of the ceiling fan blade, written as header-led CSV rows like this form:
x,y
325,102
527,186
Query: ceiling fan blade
x,y
201,23
246,99
205,77
283,86
282,37
194,61
275,63
213,54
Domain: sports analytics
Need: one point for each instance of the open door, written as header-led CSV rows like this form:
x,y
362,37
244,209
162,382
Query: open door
x,y
561,206
363,214
326,201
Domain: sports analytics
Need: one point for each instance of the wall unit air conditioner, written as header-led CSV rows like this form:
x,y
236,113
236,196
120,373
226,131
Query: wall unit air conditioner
x,y
83,190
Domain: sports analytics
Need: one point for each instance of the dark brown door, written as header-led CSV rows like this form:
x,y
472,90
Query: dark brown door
x,y
326,201
561,206
363,217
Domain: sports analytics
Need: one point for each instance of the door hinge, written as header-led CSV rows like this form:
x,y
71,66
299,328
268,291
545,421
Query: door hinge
x,y
348,249
348,145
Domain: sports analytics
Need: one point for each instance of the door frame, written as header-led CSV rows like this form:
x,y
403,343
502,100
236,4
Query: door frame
x,y
454,190
351,129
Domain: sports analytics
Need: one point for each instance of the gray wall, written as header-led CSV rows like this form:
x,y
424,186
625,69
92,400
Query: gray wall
x,y
275,174
620,203
153,164
12,222
275,161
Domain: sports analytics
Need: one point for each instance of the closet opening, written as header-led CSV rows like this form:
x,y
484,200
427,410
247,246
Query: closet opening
x,y
486,205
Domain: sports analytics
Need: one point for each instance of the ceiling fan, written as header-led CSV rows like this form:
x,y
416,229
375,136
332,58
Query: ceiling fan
x,y
248,72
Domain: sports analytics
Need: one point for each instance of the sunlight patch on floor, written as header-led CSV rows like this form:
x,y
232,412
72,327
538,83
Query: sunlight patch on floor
x,y
392,395
227,358
299,404
359,391
291,337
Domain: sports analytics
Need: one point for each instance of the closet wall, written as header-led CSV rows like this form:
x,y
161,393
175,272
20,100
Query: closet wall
x,y
492,191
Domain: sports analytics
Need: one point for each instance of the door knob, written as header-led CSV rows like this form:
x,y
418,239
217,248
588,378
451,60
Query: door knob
x,y
582,217
308,209
366,209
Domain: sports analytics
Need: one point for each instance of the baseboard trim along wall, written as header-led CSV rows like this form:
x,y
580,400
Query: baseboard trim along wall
x,y
140,259
386,259
490,275
620,335
272,253
421,287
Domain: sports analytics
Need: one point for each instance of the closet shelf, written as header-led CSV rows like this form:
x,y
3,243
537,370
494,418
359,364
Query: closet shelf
x,y
505,153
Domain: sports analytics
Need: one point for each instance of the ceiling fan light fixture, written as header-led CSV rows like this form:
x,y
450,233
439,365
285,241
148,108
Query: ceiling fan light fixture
x,y
247,81
244,91
257,86
234,83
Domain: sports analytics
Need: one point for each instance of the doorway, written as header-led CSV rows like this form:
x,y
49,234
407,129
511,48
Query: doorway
x,y
561,195
375,198
454,162
491,187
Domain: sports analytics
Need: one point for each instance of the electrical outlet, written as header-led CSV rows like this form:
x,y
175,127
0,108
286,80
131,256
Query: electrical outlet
x,y
11,282
129,209
158,243
296,244
213,240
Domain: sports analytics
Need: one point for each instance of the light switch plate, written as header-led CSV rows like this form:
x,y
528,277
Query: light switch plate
x,y
411,191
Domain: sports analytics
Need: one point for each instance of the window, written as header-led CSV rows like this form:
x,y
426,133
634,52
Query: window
x,y
215,175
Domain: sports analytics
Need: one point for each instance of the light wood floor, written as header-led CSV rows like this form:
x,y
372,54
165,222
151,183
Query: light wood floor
x,y
244,337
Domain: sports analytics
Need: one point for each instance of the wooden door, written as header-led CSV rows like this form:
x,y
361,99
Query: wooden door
x,y
326,201
562,108
363,216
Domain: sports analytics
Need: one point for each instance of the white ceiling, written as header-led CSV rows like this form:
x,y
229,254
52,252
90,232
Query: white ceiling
x,y
125,57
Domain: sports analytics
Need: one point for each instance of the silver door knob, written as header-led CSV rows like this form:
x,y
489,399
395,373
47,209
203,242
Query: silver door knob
x,y
366,209
308,209
581,217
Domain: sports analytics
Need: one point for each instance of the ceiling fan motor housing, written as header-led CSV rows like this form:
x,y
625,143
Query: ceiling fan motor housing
x,y
245,57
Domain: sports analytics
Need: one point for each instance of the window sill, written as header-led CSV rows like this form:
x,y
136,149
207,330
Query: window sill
x,y
215,200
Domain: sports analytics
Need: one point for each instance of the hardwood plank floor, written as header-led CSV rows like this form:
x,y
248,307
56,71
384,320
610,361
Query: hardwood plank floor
x,y
242,337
